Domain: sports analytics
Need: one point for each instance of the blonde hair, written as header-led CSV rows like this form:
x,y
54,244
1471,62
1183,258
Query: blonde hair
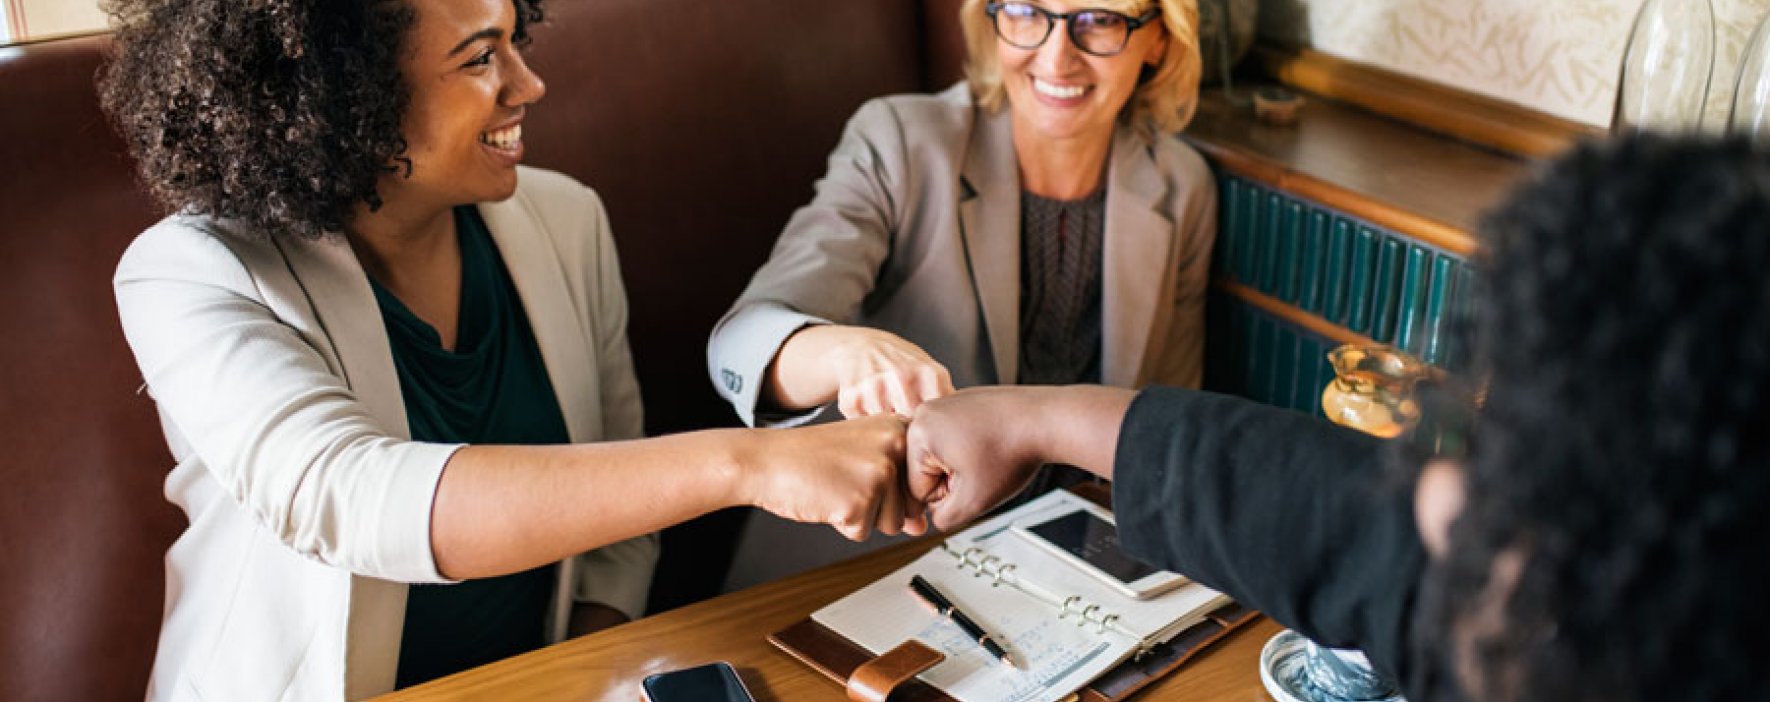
x,y
1165,98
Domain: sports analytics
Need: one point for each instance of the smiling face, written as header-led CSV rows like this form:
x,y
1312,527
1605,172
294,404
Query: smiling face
x,y
470,89
1058,92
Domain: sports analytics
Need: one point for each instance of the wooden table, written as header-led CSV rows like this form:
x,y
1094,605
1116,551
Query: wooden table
x,y
608,665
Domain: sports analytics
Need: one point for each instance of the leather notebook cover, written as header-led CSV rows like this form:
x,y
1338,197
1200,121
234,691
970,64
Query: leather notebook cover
x,y
836,657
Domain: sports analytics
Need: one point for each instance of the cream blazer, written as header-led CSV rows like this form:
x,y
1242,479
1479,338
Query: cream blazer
x,y
915,229
309,506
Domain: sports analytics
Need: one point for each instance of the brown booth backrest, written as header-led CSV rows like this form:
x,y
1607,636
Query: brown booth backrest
x,y
82,516
701,124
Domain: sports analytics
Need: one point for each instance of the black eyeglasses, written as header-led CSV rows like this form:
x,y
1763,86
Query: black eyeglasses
x,y
1097,32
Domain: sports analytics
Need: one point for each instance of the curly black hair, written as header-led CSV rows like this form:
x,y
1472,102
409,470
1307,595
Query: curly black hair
x,y
280,114
1622,455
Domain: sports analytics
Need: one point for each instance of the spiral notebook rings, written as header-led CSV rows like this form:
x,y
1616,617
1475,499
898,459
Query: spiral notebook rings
x,y
1001,572
977,559
1069,643
1086,613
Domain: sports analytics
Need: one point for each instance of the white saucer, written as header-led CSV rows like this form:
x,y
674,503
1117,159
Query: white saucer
x,y
1281,671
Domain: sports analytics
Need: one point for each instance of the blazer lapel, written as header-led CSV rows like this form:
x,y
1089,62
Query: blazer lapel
x,y
1139,248
989,222
338,289
535,269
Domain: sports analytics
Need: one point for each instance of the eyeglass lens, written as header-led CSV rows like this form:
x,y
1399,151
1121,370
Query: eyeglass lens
x,y
1098,32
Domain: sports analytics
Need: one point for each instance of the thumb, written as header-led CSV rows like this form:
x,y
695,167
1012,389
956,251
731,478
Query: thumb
x,y
926,477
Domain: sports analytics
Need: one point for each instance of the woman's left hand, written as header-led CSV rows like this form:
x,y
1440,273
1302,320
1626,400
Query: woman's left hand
x,y
868,372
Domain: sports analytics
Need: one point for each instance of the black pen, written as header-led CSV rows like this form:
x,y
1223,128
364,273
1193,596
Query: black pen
x,y
925,592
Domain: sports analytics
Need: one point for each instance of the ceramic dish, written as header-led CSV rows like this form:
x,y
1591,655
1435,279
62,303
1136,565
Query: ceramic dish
x,y
1282,664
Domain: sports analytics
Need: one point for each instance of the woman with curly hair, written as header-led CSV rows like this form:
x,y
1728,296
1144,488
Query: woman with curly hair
x,y
392,364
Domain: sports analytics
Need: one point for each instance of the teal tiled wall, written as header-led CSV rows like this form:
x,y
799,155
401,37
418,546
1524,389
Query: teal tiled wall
x,y
1255,355
1375,282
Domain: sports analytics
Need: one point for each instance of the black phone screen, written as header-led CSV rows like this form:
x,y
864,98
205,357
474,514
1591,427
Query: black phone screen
x,y
1095,541
713,682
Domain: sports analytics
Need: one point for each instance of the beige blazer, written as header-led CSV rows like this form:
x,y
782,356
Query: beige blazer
x,y
915,229
309,507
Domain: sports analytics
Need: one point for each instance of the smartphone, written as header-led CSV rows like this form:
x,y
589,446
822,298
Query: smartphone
x,y
1090,542
713,682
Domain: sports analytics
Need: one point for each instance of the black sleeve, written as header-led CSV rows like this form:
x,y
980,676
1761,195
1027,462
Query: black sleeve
x,y
1285,513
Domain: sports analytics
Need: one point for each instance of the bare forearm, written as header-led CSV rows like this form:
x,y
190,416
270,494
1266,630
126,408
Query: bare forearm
x,y
1078,425
503,509
799,379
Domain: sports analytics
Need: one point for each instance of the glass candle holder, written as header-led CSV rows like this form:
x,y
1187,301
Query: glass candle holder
x,y
1750,115
1664,86
1372,389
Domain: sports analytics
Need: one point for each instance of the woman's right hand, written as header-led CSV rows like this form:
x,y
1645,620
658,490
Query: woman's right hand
x,y
963,457
870,372
845,474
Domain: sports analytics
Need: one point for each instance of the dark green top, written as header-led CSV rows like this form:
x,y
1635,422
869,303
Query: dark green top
x,y
492,389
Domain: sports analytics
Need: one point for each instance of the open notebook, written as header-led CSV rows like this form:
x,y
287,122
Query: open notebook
x,y
1065,628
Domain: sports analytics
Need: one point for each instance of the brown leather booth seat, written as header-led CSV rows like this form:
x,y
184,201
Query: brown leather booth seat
x,y
82,518
702,125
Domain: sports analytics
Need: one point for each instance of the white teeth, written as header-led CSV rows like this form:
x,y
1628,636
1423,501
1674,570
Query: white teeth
x,y
506,139
1061,92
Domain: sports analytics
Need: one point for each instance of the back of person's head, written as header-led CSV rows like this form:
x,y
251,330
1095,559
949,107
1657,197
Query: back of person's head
x,y
1618,478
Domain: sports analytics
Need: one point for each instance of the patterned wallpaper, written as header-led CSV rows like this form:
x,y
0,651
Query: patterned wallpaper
x,y
22,20
1558,56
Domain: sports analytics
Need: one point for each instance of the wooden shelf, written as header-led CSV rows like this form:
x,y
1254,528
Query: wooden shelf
x,y
1419,184
1502,125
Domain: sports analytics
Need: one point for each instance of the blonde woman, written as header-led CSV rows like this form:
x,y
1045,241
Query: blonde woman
x,y
1038,223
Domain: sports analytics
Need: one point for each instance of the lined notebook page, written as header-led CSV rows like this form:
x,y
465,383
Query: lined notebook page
x,y
1057,654
1055,657
1052,578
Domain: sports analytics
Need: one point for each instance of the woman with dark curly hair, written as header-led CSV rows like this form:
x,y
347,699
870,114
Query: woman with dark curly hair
x,y
1602,540
384,354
